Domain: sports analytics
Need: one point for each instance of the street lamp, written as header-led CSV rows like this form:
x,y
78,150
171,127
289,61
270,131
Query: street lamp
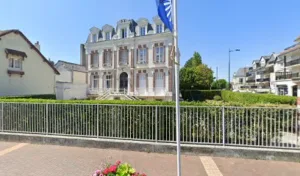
x,y
230,51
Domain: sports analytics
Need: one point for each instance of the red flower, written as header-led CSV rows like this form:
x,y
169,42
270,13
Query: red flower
x,y
118,163
113,168
106,171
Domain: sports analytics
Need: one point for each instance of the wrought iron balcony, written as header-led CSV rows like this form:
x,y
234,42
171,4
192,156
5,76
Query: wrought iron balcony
x,y
263,80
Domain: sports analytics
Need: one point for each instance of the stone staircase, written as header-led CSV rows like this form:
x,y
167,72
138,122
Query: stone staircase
x,y
111,94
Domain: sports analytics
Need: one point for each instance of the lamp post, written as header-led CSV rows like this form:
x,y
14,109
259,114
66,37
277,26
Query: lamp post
x,y
230,51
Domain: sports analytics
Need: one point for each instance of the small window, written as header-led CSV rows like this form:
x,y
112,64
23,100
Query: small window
x,y
94,38
159,28
143,31
124,33
15,64
107,36
241,80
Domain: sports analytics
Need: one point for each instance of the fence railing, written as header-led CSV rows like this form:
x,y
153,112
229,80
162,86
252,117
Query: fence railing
x,y
227,126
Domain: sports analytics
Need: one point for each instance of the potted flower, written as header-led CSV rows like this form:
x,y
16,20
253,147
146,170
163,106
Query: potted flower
x,y
118,169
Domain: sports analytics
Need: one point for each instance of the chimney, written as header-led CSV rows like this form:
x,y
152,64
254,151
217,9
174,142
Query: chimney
x,y
37,45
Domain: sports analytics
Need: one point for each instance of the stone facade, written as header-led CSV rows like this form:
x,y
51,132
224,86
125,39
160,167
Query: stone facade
x,y
133,58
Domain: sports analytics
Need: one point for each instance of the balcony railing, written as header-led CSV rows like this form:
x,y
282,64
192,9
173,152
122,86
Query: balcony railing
x,y
295,75
250,80
95,65
283,75
107,64
263,80
123,62
293,62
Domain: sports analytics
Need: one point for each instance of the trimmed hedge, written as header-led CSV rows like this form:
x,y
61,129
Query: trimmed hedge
x,y
43,96
199,95
250,98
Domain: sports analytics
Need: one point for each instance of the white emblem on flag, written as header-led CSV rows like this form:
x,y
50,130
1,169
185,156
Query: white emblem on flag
x,y
168,9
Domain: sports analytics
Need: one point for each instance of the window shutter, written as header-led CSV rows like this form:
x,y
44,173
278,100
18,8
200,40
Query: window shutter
x,y
137,80
164,54
103,58
170,80
127,55
137,56
154,79
132,82
169,56
154,54
120,52
147,56
132,59
147,81
115,59
92,59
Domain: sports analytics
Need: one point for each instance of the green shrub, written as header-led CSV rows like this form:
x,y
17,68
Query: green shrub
x,y
199,95
251,98
217,98
43,96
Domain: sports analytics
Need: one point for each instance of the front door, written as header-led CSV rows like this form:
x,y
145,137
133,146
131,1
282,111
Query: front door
x,y
123,81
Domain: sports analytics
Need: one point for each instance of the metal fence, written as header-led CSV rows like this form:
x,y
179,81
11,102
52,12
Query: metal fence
x,y
227,126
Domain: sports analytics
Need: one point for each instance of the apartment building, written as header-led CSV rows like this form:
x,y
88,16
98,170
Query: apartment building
x,y
276,73
130,60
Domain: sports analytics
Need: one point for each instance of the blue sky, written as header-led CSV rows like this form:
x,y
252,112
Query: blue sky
x,y
211,27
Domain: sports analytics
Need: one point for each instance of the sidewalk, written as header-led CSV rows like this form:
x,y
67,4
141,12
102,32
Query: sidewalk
x,y
48,160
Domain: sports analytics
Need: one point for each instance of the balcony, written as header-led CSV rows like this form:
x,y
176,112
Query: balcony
x,y
293,62
250,81
123,63
263,80
283,75
295,76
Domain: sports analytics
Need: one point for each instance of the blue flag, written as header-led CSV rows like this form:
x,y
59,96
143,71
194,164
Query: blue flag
x,y
165,12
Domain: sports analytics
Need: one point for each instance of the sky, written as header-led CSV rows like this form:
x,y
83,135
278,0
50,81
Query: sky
x,y
210,27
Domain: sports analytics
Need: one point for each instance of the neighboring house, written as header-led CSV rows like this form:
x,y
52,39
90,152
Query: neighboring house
x,y
72,81
23,68
239,79
71,73
132,59
262,72
277,73
288,77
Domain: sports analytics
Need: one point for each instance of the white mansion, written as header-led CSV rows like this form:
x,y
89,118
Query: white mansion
x,y
131,60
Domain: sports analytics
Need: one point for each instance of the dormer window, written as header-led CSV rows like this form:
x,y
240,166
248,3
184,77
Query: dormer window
x,y
159,28
94,38
107,36
143,31
124,33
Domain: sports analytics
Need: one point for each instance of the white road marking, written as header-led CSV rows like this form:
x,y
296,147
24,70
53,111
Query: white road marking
x,y
16,147
210,166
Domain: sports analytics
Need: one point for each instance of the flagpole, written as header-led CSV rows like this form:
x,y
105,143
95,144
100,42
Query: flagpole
x,y
177,62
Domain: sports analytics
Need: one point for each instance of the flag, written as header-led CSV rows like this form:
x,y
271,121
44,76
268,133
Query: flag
x,y
164,8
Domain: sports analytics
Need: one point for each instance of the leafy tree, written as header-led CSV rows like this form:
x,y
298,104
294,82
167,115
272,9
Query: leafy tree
x,y
219,84
195,75
194,61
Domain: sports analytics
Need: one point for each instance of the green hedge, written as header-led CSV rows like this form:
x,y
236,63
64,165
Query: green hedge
x,y
42,96
199,95
251,98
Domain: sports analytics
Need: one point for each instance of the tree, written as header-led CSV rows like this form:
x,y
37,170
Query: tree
x,y
194,61
195,75
219,84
